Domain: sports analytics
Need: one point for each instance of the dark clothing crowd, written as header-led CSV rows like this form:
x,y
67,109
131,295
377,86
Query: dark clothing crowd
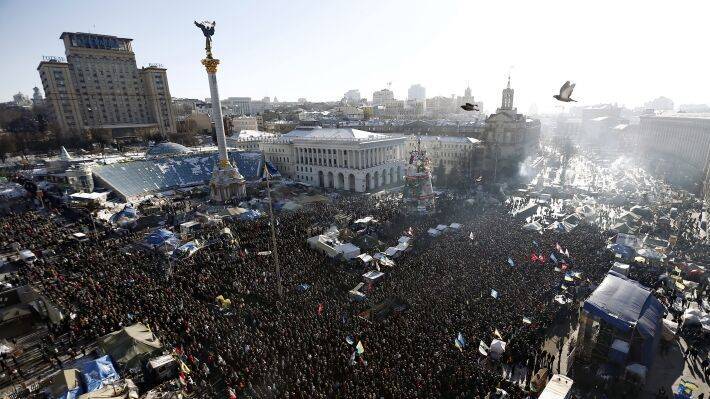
x,y
303,345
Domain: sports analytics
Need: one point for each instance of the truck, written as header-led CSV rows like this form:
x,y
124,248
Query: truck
x,y
559,387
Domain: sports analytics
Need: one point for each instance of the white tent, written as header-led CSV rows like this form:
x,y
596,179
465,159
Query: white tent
x,y
349,250
497,349
534,226
442,227
455,226
404,239
433,232
621,268
365,258
373,276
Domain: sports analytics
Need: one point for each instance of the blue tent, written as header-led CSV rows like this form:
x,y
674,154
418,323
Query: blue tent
x,y
98,372
250,214
160,237
628,307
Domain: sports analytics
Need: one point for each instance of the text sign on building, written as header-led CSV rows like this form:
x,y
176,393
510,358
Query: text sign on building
x,y
156,66
53,58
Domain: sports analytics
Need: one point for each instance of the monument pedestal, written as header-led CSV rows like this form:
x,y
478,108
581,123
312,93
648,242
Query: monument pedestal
x,y
227,183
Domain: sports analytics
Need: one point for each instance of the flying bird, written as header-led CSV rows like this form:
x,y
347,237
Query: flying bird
x,y
565,92
470,107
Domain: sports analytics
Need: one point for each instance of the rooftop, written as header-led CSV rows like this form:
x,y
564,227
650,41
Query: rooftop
x,y
167,148
319,133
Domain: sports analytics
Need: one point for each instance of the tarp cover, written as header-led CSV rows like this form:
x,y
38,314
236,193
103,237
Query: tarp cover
x,y
160,237
65,384
98,372
624,304
128,345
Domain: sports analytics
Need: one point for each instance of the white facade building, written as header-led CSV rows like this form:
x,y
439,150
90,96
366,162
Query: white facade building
x,y
339,158
445,150
244,123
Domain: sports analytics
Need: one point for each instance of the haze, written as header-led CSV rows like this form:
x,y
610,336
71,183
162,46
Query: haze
x,y
623,52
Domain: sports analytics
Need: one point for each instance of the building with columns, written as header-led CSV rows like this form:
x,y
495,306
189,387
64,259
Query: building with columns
x,y
339,158
678,146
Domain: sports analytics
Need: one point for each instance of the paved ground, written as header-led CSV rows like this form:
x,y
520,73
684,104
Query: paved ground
x,y
668,369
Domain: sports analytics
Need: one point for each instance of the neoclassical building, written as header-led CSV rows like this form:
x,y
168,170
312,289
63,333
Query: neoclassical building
x,y
339,158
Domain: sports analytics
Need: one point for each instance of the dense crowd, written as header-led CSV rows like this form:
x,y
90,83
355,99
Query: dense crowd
x,y
296,346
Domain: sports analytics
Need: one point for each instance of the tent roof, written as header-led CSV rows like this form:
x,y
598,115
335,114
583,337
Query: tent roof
x,y
63,381
625,304
128,344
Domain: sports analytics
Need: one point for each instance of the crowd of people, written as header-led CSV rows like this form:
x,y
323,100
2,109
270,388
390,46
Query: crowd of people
x,y
303,344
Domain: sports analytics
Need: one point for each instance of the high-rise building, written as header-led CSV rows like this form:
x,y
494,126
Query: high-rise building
x,y
238,105
416,92
382,97
99,87
352,96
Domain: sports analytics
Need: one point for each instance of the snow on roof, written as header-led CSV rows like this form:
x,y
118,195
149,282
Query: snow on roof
x,y
317,132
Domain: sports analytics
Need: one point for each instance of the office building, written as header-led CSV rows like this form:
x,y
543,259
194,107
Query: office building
x,y
382,97
237,105
352,96
99,87
416,92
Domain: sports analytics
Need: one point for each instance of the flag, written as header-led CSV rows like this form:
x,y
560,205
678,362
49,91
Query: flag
x,y
510,262
559,248
533,257
350,340
498,334
564,266
552,256
541,258
470,236
460,342
527,320
567,252
410,232
536,244
483,348
352,358
320,309
359,348
494,293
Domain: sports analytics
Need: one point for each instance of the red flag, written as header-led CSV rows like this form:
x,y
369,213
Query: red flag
x,y
320,309
533,257
564,267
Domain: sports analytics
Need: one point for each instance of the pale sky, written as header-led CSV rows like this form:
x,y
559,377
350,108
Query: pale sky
x,y
620,51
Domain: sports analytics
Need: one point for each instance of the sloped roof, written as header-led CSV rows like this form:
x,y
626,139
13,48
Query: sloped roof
x,y
317,132
626,304
167,148
127,345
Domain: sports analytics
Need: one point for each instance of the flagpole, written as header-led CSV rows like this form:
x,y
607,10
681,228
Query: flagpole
x,y
279,288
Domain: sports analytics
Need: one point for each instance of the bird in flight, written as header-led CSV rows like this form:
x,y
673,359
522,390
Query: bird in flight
x,y
470,107
565,92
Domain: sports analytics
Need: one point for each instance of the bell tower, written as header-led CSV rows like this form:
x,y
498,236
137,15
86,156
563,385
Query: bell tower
x,y
508,94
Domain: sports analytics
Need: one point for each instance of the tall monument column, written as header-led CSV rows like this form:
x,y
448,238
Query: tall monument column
x,y
226,183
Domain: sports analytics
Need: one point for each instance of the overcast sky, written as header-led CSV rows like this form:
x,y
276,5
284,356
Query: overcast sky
x,y
620,51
